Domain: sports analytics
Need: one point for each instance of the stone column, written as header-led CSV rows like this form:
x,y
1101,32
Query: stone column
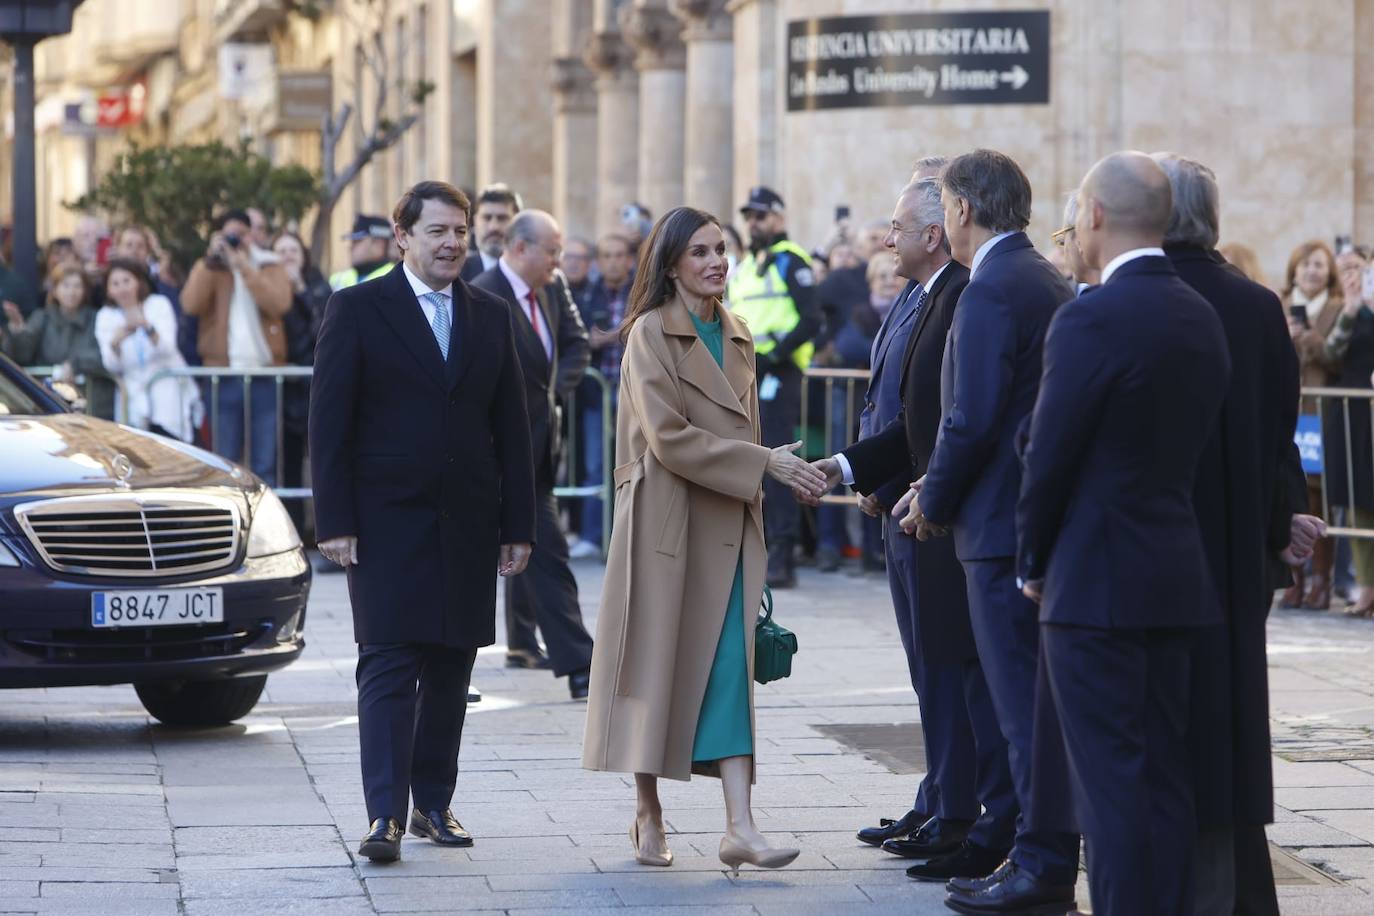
x,y
574,122
516,146
617,124
661,59
708,150
757,95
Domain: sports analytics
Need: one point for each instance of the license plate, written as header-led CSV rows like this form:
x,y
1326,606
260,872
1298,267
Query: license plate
x,y
164,607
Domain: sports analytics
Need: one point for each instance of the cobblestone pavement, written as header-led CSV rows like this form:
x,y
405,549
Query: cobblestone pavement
x,y
103,811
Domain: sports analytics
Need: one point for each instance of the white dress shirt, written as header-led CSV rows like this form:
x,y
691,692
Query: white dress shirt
x,y
847,472
983,250
1125,256
421,289
521,289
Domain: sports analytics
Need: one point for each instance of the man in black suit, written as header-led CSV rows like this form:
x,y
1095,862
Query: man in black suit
x,y
1244,461
988,384
554,353
1135,372
496,206
420,456
965,751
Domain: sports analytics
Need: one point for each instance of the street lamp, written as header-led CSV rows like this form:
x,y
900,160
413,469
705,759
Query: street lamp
x,y
23,24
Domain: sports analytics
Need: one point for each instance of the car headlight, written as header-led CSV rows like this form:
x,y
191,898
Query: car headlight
x,y
272,530
7,557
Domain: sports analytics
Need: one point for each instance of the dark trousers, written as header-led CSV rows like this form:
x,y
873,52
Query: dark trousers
x,y
967,778
412,699
778,419
1006,630
1122,697
546,594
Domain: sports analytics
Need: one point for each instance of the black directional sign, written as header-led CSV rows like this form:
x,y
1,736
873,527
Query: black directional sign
x,y
994,58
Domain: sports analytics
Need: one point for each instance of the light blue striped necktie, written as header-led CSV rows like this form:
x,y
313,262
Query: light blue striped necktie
x,y
443,325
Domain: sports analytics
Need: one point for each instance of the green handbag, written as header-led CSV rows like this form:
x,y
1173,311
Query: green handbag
x,y
774,645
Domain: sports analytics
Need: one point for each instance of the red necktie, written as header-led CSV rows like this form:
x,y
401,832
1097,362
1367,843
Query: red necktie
x,y
534,319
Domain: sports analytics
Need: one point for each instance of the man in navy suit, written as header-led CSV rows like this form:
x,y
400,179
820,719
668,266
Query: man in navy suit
x,y
420,456
989,380
967,778
1135,373
554,352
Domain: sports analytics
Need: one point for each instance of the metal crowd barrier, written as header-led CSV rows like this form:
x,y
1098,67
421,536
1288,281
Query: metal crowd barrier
x,y
1351,402
210,380
278,375
852,384
87,382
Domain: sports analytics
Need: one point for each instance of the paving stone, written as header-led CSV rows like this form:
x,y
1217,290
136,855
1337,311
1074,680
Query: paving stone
x,y
260,883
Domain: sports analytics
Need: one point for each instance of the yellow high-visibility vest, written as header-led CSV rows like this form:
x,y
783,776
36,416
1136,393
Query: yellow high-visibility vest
x,y
765,304
346,278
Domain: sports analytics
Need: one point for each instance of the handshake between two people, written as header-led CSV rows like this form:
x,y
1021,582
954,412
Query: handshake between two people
x,y
907,511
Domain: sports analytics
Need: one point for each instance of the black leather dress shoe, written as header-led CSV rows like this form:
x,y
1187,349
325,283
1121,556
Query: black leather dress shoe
x,y
579,682
968,861
967,885
934,838
440,826
1018,892
888,828
523,658
383,841
474,695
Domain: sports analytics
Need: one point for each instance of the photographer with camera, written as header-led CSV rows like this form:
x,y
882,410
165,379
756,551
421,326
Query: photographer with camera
x,y
240,293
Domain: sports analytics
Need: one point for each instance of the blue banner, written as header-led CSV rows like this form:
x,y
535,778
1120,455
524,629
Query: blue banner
x,y
1309,439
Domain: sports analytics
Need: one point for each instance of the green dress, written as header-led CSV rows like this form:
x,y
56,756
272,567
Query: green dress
x,y
723,728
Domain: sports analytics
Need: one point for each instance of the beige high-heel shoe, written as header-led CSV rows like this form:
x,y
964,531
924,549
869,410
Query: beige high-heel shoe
x,y
734,854
660,859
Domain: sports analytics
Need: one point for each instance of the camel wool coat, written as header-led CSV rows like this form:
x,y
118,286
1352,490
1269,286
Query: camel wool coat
x,y
688,499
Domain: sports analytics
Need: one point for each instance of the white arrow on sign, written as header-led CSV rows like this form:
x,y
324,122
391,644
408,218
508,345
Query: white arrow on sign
x,y
1017,76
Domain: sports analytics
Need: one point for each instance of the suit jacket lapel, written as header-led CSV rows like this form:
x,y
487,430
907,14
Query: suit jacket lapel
x,y
466,335
935,290
531,348
402,311
548,312
905,305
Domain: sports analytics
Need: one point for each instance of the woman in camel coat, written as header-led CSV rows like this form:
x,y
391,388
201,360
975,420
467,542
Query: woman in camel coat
x,y
671,685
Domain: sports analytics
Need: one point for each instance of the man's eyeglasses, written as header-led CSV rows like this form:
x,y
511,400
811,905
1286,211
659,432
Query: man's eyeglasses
x,y
1060,237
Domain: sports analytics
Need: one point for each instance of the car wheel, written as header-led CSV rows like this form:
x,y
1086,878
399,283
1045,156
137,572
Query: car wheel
x,y
201,703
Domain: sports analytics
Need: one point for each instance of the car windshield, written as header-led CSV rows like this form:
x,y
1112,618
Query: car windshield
x,y
15,401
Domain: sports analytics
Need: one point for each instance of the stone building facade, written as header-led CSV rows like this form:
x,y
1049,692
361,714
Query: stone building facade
x,y
584,105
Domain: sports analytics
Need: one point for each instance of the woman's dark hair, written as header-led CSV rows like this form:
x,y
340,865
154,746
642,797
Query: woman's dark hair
x,y
407,212
229,216
139,271
306,263
657,254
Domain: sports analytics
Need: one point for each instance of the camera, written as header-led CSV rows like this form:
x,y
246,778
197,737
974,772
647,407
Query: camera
x,y
233,241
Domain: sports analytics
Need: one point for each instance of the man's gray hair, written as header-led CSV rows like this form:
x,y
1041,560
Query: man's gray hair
x,y
1196,216
1070,210
926,208
928,166
997,191
528,226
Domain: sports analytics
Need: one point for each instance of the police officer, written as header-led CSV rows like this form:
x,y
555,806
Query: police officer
x,y
775,292
370,253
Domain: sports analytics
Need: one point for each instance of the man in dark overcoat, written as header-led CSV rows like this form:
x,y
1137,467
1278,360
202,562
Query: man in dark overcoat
x,y
1245,521
424,484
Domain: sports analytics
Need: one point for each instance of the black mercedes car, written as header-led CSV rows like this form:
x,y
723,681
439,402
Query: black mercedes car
x,y
130,558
